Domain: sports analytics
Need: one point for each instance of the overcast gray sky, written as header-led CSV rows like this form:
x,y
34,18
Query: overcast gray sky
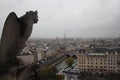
x,y
77,18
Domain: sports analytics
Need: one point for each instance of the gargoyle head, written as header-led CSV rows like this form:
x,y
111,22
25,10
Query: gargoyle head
x,y
33,15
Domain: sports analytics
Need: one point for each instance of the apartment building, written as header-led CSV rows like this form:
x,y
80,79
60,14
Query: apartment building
x,y
105,62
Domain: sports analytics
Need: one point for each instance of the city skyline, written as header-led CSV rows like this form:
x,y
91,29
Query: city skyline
x,y
75,18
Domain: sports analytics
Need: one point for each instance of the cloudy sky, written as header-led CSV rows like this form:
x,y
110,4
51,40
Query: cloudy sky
x,y
75,18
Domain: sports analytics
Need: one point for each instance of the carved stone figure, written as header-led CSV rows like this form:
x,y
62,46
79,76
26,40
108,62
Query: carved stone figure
x,y
16,31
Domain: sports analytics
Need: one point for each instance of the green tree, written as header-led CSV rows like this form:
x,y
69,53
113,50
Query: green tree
x,y
60,77
46,73
69,61
43,73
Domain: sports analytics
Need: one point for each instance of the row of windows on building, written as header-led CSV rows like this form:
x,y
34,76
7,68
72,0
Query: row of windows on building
x,y
97,59
102,57
88,66
102,63
98,70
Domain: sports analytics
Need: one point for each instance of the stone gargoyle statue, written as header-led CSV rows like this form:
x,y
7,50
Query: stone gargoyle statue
x,y
16,32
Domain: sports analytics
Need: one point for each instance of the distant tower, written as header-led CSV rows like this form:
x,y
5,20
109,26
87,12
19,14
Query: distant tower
x,y
64,38
65,41
64,35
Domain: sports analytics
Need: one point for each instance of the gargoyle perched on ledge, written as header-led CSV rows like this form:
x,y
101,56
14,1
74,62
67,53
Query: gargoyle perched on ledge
x,y
16,31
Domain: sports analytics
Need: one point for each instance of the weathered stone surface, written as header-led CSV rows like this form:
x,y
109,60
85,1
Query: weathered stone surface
x,y
15,33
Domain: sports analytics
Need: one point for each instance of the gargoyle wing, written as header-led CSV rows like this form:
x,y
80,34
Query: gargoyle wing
x,y
9,35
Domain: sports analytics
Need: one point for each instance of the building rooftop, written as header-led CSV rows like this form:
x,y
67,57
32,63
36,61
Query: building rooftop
x,y
97,54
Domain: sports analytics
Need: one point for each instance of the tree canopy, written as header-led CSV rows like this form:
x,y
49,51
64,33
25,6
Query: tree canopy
x,y
69,61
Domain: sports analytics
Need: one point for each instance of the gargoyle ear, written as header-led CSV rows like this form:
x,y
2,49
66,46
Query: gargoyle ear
x,y
27,12
36,12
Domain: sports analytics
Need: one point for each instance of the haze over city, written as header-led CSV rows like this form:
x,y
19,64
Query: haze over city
x,y
75,18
